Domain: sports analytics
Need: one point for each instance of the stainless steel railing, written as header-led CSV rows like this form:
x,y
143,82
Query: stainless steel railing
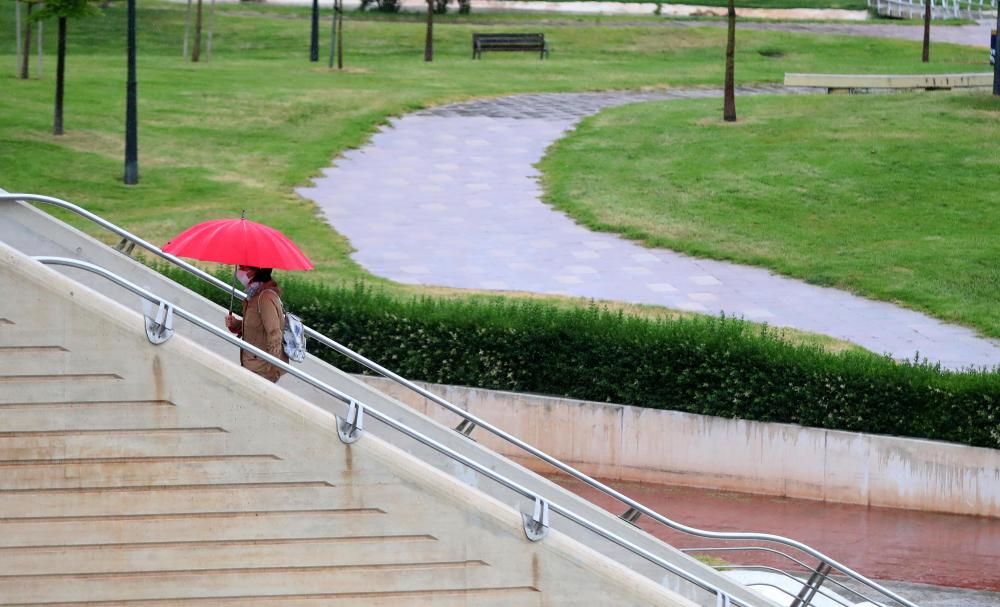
x,y
536,527
470,421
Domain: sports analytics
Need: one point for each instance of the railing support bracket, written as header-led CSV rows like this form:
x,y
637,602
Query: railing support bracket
x,y
722,600
125,246
630,516
351,429
810,588
159,324
465,428
536,526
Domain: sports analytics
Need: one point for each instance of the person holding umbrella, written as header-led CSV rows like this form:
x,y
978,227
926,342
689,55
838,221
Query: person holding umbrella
x,y
263,321
255,249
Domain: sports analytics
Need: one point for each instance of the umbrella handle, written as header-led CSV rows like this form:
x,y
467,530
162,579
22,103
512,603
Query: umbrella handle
x,y
232,294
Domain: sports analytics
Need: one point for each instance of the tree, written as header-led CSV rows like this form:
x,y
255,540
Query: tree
x,y
62,10
927,32
729,94
196,49
337,34
314,32
26,44
429,41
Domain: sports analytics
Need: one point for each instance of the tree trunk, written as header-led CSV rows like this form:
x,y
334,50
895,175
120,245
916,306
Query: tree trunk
x,y
57,123
927,32
729,95
211,27
333,34
196,49
340,35
314,32
17,33
187,29
26,44
429,42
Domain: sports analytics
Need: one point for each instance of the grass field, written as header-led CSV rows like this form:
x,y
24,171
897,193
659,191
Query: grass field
x,y
244,129
888,196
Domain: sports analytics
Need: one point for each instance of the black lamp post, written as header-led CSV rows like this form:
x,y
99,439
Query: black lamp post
x,y
996,56
314,34
131,135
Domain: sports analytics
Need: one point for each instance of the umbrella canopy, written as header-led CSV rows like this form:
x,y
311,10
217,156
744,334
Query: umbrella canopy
x,y
238,242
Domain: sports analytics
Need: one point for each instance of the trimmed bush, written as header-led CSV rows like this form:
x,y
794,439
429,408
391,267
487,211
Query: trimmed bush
x,y
712,366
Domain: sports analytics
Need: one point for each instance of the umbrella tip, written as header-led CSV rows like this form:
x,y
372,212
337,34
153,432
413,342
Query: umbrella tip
x,y
243,214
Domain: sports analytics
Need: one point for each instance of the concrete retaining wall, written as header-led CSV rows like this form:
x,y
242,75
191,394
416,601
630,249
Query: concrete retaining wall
x,y
635,444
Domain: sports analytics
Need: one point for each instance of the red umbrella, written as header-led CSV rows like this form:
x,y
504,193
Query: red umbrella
x,y
240,242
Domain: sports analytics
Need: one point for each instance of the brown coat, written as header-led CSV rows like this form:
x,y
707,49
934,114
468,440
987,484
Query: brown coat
x,y
262,326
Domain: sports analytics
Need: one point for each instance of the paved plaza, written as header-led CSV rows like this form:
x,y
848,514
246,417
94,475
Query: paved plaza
x,y
450,197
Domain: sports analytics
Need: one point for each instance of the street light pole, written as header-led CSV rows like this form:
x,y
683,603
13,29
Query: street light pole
x,y
131,135
996,56
314,34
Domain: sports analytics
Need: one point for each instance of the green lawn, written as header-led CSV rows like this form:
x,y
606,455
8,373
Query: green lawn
x,y
246,128
891,196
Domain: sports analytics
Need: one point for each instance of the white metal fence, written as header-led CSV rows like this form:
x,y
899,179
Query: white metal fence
x,y
940,9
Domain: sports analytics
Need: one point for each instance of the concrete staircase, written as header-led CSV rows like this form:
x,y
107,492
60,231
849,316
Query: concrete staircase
x,y
133,474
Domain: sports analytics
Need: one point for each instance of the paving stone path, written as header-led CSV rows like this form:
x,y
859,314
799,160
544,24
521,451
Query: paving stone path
x,y
449,196
973,34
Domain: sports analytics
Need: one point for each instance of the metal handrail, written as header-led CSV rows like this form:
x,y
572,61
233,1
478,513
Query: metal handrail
x,y
392,423
782,572
566,468
773,551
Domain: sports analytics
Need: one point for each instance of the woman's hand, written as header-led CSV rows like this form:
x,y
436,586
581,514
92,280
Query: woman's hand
x,y
233,323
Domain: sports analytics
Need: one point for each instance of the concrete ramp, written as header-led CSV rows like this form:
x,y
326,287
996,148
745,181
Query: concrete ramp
x,y
134,474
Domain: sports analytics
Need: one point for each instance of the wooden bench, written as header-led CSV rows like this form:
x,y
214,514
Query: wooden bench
x,y
509,42
846,83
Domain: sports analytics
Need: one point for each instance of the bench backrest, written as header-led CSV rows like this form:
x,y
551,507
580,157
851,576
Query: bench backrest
x,y
508,40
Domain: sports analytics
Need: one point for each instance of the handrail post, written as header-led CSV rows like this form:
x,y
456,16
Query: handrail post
x,y
811,586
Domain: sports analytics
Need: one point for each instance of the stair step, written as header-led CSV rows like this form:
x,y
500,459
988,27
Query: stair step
x,y
215,554
388,576
33,377
501,596
29,359
225,499
135,471
110,442
84,414
324,521
108,386
146,442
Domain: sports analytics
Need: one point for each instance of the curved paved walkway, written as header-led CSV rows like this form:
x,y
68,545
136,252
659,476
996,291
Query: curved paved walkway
x,y
449,197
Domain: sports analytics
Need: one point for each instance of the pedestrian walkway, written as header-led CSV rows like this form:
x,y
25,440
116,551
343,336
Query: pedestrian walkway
x,y
973,34
942,560
449,197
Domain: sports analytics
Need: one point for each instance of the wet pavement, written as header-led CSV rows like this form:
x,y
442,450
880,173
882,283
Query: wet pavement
x,y
935,550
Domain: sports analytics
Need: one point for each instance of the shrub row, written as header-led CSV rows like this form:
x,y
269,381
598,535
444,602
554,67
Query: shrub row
x,y
713,366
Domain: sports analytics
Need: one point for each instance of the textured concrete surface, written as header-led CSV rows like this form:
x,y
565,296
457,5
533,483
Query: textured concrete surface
x,y
449,196
37,233
109,441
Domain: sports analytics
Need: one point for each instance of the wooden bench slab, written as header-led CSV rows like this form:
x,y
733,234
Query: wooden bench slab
x,y
847,82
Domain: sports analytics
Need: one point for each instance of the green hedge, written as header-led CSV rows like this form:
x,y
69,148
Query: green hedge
x,y
713,366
